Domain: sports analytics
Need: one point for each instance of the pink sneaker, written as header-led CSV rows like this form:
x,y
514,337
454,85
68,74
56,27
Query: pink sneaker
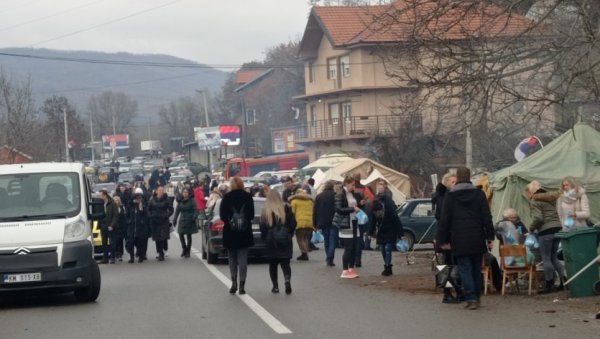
x,y
345,274
352,273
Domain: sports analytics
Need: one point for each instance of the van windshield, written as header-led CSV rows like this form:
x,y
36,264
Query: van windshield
x,y
39,196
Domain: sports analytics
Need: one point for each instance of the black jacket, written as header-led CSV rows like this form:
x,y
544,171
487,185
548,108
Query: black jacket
x,y
466,221
236,199
111,218
437,200
324,208
265,229
160,209
139,226
389,227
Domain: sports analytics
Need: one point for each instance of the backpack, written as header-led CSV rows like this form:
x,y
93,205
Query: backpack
x,y
238,220
280,236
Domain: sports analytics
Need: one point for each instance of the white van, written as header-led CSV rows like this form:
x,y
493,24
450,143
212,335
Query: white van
x,y
46,213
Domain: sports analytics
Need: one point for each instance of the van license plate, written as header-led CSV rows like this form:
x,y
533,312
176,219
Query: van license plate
x,y
25,277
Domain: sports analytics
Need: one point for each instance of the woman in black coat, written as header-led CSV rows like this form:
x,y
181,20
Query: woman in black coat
x,y
120,231
347,204
437,201
138,230
389,227
323,212
277,226
160,209
237,241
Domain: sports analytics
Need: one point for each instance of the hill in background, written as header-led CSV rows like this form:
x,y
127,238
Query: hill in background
x,y
151,86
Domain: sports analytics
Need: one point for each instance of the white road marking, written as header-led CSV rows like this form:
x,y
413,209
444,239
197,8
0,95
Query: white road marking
x,y
260,311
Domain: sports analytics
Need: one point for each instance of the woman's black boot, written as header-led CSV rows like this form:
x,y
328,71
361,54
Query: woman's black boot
x,y
242,289
234,286
288,286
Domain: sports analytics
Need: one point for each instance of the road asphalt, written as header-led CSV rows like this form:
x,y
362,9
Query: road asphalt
x,y
182,298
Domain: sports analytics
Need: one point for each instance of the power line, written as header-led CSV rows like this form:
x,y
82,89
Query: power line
x,y
83,89
106,23
49,16
165,64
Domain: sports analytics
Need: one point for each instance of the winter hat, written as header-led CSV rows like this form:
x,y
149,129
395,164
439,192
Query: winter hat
x,y
138,191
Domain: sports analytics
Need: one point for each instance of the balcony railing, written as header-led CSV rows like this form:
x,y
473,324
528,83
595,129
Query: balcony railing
x,y
355,127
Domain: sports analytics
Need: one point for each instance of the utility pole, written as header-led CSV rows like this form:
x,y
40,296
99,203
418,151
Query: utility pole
x,y
113,123
208,153
469,148
66,135
149,137
92,137
203,91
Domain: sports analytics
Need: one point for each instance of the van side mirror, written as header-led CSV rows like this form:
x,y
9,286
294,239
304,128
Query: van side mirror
x,y
96,209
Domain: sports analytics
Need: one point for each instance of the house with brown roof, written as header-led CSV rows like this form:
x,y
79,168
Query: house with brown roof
x,y
349,94
264,99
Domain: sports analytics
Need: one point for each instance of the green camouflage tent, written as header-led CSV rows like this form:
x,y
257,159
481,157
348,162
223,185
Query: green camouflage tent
x,y
576,153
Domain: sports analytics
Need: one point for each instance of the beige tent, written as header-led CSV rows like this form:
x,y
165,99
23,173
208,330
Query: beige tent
x,y
365,167
325,162
371,181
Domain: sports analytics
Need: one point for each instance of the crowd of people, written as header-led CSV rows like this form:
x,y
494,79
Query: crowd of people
x,y
136,213
464,238
466,231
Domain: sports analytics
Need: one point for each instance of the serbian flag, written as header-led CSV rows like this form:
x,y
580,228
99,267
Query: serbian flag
x,y
526,147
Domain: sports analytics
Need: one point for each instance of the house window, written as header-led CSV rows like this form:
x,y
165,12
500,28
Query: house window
x,y
334,113
313,115
250,117
347,111
332,68
311,72
345,61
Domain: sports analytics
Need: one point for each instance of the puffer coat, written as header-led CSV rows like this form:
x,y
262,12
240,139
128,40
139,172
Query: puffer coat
x,y
185,216
160,209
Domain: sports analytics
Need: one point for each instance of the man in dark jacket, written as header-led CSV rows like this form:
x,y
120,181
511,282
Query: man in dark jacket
x,y
323,211
465,225
107,228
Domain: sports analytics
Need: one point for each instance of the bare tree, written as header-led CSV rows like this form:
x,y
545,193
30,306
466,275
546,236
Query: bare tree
x,y
112,112
181,116
54,125
18,115
500,75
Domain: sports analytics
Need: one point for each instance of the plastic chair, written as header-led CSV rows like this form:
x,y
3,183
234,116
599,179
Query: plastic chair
x,y
517,251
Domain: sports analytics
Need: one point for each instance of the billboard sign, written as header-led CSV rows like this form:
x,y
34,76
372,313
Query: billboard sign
x,y
115,142
230,135
208,138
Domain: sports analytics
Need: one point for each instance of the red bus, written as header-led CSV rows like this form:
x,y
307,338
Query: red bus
x,y
247,167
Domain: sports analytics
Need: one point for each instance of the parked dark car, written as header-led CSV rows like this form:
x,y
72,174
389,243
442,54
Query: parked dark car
x,y
417,216
212,234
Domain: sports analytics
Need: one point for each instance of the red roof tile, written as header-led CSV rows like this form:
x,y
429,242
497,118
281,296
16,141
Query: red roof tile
x,y
246,75
407,19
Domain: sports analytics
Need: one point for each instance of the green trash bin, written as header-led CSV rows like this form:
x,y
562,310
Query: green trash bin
x,y
579,248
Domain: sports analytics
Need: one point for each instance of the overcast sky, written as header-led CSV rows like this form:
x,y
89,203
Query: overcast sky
x,y
212,32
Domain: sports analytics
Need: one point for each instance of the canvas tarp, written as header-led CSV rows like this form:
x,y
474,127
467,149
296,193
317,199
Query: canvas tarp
x,y
326,162
375,176
575,153
365,167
